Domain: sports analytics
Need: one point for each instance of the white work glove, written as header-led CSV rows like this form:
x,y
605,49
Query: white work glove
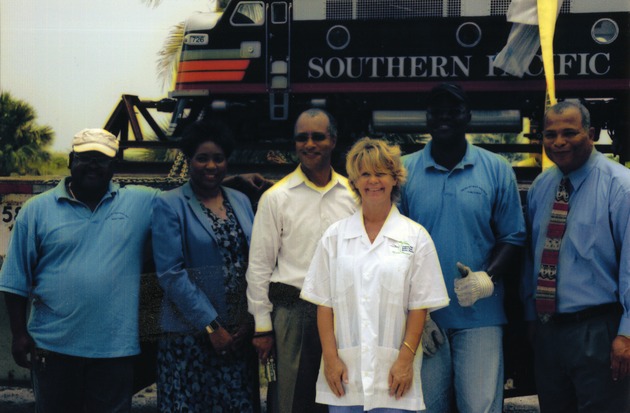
x,y
432,337
472,286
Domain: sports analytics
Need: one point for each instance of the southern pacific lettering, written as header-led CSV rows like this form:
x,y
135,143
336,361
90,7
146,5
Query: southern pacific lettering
x,y
389,67
445,67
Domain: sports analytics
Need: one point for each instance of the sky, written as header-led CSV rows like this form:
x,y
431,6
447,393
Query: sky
x,y
73,59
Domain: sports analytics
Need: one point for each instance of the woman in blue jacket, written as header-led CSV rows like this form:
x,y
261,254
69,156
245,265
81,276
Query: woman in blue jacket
x,y
201,234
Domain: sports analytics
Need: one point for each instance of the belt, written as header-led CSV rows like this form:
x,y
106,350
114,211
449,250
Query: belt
x,y
283,294
576,317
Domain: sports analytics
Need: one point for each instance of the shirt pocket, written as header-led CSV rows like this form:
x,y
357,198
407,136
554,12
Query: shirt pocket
x,y
343,280
352,359
581,239
116,228
385,358
393,277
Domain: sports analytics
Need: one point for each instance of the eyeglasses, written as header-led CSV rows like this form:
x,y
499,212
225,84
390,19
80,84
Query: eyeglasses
x,y
97,160
315,136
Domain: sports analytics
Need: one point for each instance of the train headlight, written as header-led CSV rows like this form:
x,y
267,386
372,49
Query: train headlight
x,y
605,31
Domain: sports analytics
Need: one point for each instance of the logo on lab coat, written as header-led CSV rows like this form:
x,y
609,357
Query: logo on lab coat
x,y
401,247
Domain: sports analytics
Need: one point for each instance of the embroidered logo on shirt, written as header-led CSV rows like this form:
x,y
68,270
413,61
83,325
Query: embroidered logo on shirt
x,y
474,189
401,248
115,216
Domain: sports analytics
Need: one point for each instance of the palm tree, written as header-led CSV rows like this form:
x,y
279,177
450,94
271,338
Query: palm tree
x,y
23,143
168,56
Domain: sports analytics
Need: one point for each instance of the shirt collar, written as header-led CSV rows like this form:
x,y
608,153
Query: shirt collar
x,y
578,176
61,191
355,225
391,228
469,157
187,190
299,178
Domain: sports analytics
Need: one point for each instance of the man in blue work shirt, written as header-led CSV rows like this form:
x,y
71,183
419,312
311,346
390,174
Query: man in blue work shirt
x,y
467,198
77,252
577,272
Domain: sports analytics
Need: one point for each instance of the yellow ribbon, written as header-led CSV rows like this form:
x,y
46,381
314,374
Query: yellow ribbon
x,y
547,15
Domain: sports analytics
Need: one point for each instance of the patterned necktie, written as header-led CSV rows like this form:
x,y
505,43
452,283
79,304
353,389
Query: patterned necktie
x,y
546,287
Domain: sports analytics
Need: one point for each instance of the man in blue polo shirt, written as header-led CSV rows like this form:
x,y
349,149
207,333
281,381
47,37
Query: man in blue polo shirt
x,y
468,200
76,251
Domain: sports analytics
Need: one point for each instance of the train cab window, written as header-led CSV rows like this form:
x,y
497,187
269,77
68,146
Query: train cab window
x,y
249,13
278,12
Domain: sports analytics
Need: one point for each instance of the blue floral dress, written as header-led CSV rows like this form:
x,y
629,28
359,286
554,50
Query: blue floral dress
x,y
192,377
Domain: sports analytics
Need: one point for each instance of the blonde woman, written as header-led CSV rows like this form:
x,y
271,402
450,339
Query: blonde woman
x,y
374,276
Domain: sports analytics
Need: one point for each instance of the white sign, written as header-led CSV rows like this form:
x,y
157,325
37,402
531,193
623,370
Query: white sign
x,y
9,209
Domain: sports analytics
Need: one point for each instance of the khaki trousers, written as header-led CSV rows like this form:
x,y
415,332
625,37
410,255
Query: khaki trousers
x,y
298,357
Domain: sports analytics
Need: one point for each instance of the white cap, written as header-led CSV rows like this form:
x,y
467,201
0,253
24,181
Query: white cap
x,y
95,140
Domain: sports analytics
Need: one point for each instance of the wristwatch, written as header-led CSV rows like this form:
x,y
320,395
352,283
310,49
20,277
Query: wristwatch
x,y
213,326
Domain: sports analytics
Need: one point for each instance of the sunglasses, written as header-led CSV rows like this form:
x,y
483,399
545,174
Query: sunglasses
x,y
315,136
86,160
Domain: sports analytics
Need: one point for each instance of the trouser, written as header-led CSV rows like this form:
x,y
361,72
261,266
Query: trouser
x,y
572,366
64,384
298,354
467,371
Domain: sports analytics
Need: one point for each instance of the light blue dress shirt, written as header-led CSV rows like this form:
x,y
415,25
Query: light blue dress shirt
x,y
594,263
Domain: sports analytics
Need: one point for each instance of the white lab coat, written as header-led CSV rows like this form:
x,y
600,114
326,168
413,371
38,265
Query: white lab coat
x,y
370,288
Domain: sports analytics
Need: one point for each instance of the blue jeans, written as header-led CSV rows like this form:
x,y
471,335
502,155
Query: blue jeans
x,y
467,371
359,409
65,384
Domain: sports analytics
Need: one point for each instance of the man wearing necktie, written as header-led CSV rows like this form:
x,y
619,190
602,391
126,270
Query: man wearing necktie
x,y
577,271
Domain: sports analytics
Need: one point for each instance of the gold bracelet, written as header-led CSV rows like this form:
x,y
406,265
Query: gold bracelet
x,y
409,347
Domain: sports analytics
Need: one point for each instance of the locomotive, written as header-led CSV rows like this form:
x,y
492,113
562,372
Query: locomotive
x,y
257,64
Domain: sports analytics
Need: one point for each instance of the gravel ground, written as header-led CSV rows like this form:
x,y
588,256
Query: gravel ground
x,y
20,400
